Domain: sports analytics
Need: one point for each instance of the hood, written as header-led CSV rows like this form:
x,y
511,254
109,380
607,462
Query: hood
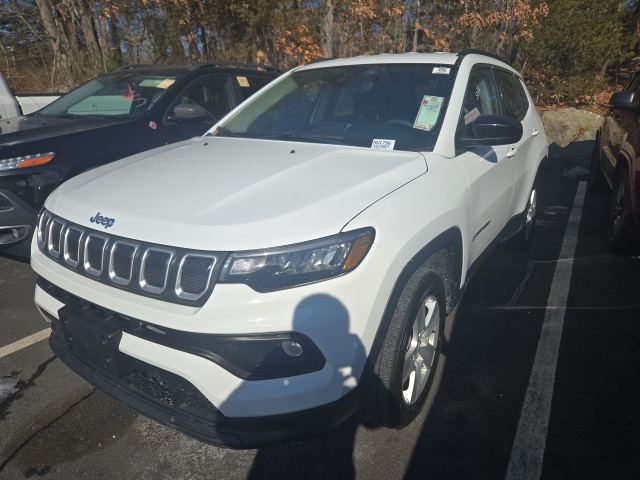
x,y
234,194
18,130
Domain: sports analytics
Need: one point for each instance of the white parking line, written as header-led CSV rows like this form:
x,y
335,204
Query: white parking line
x,y
531,437
25,342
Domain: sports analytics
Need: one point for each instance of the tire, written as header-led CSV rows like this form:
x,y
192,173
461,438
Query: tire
x,y
522,239
596,182
406,365
619,223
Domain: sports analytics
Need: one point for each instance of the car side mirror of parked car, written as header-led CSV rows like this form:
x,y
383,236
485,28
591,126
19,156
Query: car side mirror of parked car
x,y
188,111
625,101
488,130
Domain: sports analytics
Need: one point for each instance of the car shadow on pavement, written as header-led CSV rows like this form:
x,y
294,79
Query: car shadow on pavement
x,y
331,453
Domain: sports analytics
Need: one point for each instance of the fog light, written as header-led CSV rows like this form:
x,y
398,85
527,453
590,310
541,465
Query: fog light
x,y
291,348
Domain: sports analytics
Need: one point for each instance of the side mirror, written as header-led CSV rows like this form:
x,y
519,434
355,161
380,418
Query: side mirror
x,y
490,130
624,101
189,111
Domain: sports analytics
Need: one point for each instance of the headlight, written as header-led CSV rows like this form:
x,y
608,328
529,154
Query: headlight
x,y
290,266
26,161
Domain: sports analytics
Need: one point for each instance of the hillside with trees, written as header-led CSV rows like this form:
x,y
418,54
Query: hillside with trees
x,y
570,51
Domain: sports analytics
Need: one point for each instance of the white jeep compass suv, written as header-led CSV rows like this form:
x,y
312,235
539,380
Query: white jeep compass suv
x,y
295,264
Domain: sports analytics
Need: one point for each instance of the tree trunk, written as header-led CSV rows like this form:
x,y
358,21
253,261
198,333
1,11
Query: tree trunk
x,y
61,74
416,27
83,13
326,28
603,70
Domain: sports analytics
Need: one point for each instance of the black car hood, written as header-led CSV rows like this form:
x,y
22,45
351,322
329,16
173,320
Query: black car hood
x,y
18,130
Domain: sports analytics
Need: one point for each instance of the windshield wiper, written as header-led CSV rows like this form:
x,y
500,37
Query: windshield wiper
x,y
304,137
224,131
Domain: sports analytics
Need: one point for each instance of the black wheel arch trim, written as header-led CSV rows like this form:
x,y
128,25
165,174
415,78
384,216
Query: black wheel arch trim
x,y
451,241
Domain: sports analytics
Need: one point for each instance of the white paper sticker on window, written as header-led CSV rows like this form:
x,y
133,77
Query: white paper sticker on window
x,y
441,70
242,81
157,83
471,116
379,144
428,113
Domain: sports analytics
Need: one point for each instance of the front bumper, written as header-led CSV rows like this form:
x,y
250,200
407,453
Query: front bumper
x,y
17,221
87,339
150,395
340,316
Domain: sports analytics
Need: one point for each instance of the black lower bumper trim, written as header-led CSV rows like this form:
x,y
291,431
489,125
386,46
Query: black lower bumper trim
x,y
90,348
248,432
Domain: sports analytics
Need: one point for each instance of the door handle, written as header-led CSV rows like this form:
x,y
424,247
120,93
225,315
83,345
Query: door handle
x,y
512,151
535,132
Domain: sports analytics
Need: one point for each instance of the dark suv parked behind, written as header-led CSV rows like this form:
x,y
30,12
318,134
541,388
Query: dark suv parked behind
x,y
616,164
133,109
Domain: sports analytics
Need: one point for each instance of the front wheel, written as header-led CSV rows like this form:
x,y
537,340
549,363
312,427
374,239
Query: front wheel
x,y
619,235
405,367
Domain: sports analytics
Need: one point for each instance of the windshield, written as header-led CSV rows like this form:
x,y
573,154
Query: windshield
x,y
389,106
123,94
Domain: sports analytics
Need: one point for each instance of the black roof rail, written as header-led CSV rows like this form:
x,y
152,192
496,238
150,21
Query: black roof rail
x,y
469,51
256,66
197,65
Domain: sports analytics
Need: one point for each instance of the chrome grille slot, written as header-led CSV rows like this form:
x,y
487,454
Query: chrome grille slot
x,y
42,228
54,236
72,239
155,270
194,275
94,247
121,262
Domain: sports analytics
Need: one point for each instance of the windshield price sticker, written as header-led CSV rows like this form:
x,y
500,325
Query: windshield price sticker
x,y
243,81
441,70
166,83
428,113
379,144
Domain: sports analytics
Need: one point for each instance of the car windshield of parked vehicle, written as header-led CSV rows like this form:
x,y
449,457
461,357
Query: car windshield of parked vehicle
x,y
123,94
382,106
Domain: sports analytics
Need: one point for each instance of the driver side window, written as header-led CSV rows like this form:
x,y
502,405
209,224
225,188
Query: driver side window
x,y
480,98
213,93
481,93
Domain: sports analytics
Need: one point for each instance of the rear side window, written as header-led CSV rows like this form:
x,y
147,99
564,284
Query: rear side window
x,y
634,84
514,99
250,84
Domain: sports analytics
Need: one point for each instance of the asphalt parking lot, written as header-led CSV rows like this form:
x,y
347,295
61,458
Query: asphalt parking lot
x,y
540,379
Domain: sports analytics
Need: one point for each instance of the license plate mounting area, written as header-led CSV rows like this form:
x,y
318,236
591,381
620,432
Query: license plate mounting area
x,y
93,340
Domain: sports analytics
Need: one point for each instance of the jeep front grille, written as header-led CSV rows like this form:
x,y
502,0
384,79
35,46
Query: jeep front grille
x,y
166,273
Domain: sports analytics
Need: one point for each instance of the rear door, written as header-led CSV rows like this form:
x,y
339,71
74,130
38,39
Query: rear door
x,y
515,104
621,131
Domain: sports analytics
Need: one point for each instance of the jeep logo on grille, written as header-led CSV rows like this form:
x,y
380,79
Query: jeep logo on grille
x,y
100,220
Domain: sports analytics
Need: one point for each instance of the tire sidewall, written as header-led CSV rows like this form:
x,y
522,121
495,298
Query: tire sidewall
x,y
415,292
618,239
596,182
